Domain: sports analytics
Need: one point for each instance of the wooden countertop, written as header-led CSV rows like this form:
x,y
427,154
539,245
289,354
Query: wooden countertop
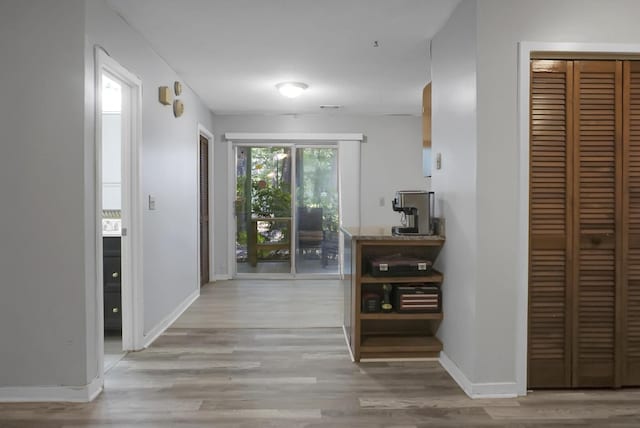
x,y
383,233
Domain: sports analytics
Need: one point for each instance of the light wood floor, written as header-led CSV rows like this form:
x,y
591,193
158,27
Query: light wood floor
x,y
266,304
112,350
201,375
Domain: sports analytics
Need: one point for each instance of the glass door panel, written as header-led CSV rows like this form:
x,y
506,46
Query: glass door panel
x,y
317,210
263,209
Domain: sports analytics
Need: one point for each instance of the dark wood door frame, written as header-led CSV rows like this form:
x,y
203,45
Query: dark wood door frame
x,y
203,194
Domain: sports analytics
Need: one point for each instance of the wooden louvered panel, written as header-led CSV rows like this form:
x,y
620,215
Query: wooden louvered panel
x,y
547,328
597,105
550,164
631,226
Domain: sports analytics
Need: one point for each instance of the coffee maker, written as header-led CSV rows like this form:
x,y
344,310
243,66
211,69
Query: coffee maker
x,y
416,208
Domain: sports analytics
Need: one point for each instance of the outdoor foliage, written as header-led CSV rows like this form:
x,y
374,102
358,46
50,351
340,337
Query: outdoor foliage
x,y
263,188
270,202
318,187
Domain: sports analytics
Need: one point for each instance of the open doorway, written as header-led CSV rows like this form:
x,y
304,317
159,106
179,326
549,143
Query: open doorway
x,y
112,142
205,212
118,209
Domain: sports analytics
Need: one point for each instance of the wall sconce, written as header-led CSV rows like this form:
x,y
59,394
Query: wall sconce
x,y
165,98
164,95
178,108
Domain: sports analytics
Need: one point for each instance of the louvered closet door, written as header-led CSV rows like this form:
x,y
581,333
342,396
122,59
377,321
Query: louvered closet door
x,y
631,226
549,356
597,139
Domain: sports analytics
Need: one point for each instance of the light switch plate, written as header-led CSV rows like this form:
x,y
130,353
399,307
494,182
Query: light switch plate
x,y
152,203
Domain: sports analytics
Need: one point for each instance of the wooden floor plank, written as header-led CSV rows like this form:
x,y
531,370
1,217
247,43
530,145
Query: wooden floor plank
x,y
199,374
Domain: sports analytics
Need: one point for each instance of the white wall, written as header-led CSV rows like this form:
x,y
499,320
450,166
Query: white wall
x,y
454,135
478,187
47,183
391,160
169,166
501,25
42,182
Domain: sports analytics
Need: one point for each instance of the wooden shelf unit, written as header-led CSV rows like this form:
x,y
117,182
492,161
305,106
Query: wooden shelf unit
x,y
435,277
402,346
401,316
393,334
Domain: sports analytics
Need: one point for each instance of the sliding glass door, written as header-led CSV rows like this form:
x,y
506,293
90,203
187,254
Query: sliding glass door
x,y
317,209
263,209
286,210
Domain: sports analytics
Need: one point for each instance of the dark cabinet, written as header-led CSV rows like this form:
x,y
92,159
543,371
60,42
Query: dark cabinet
x,y
112,277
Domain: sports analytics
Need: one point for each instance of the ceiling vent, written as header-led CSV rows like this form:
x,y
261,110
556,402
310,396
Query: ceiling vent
x,y
330,106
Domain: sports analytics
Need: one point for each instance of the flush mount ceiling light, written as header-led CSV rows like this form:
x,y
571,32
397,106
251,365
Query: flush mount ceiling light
x,y
291,89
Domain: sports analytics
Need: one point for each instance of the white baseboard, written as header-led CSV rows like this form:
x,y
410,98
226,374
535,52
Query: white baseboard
x,y
346,339
222,277
478,390
76,394
457,375
156,331
95,388
397,359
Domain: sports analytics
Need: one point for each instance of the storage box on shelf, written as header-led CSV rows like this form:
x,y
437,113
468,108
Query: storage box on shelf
x,y
393,334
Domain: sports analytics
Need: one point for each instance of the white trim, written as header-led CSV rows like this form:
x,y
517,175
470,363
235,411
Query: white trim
x,y
160,328
231,211
293,140
75,394
355,181
95,388
398,359
524,55
202,131
319,275
131,289
495,390
97,145
132,299
291,136
522,251
346,339
477,390
222,277
289,141
264,276
284,275
455,372
293,240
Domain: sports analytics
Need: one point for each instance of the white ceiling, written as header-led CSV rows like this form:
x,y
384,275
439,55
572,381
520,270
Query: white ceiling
x,y
233,52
